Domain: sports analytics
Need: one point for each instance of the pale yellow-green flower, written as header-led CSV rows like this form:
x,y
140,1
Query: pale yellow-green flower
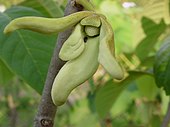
x,y
91,43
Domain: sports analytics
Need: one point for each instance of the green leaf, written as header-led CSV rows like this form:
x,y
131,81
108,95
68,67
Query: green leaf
x,y
107,95
155,121
148,62
162,66
47,7
5,73
153,32
78,117
154,9
27,53
122,103
147,87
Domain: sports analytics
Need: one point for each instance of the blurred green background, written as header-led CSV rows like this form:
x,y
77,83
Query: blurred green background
x,y
140,27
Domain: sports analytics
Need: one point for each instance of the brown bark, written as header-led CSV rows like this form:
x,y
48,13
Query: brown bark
x,y
47,110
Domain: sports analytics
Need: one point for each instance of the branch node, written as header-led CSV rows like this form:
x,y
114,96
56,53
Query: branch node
x,y
75,4
46,123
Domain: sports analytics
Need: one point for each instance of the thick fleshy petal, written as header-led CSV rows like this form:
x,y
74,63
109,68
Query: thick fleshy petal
x,y
106,51
74,45
92,20
75,72
46,25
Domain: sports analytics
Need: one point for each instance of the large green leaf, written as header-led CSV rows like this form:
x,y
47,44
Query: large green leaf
x,y
162,66
147,87
153,32
47,7
148,62
122,104
154,9
108,94
5,73
26,53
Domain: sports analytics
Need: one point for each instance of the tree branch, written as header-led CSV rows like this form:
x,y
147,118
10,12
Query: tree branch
x,y
167,117
47,110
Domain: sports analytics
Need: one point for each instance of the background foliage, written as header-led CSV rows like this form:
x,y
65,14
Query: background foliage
x,y
142,47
